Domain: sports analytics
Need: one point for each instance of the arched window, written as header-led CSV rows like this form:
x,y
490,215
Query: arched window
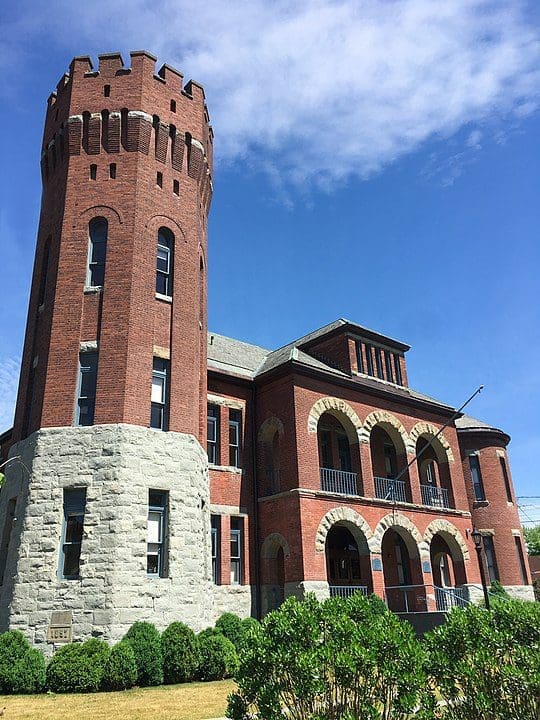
x,y
165,262
97,251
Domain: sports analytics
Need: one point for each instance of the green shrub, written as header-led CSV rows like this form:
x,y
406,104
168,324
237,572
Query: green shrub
x,y
180,653
484,666
78,667
22,668
146,644
337,659
231,627
120,668
217,657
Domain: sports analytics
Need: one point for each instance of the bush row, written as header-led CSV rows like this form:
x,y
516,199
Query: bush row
x,y
143,657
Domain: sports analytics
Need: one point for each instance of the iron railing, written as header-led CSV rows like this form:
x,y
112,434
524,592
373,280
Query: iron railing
x,y
434,496
346,591
338,481
414,598
450,597
388,489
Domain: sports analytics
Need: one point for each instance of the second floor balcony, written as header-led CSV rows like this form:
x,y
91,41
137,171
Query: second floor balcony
x,y
338,481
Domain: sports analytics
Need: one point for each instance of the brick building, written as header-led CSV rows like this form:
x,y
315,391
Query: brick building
x,y
161,472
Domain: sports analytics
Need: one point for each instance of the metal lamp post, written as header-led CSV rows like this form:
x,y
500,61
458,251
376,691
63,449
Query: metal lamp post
x,y
477,539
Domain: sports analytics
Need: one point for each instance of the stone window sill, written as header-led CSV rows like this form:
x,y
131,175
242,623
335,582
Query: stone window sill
x,y
226,468
164,298
92,289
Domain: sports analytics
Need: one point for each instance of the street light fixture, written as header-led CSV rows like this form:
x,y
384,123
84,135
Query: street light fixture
x,y
477,539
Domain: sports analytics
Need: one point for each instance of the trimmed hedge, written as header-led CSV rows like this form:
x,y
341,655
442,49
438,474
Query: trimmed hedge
x,y
145,641
180,653
78,667
231,627
120,668
217,657
22,668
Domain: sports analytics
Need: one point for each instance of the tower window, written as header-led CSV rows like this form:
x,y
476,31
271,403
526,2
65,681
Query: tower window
x,y
97,251
378,362
506,479
237,526
106,90
160,394
173,106
72,532
165,262
213,434
176,187
359,359
476,475
159,179
157,519
93,172
491,560
235,430
521,558
369,359
44,272
86,394
388,366
397,368
112,171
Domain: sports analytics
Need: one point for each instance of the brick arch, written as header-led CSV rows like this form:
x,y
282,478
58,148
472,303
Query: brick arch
x,y
156,221
105,211
345,516
269,427
340,410
388,422
451,535
394,521
422,429
271,545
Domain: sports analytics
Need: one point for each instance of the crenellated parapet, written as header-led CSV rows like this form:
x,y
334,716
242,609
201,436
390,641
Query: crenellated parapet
x,y
117,109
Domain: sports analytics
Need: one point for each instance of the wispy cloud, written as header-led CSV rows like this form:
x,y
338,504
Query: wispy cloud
x,y
9,380
321,90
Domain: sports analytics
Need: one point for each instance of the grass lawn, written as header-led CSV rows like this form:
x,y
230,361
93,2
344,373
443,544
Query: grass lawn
x,y
194,701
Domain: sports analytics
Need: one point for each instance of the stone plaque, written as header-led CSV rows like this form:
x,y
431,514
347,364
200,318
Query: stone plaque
x,y
60,629
376,564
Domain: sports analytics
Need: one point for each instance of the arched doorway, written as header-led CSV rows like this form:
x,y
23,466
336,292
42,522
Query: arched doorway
x,y
388,459
448,570
403,579
348,567
339,465
274,551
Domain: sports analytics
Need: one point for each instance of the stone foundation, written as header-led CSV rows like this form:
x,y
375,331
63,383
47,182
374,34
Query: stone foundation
x,y
118,465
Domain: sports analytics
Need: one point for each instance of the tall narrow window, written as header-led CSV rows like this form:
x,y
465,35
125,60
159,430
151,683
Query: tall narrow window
x,y
86,396
369,360
97,251
491,561
359,359
6,536
476,475
521,558
235,429
378,361
157,519
237,525
213,434
72,532
44,272
397,368
93,172
388,366
164,268
506,479
112,171
216,541
389,460
160,394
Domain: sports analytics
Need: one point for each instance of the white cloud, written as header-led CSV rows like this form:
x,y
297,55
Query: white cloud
x,y
319,90
9,381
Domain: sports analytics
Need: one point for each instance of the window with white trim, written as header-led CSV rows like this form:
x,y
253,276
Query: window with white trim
x,y
165,262
160,394
72,532
212,434
158,501
237,527
86,390
97,252
235,430
478,485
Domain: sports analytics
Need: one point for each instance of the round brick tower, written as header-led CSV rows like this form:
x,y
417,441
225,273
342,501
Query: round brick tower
x,y
107,509
493,504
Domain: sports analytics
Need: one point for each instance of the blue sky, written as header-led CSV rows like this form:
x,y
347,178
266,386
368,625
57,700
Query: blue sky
x,y
375,160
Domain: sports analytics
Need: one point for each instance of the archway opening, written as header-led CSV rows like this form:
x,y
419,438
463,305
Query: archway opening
x,y
434,473
448,569
403,578
388,460
270,454
273,573
348,566
339,465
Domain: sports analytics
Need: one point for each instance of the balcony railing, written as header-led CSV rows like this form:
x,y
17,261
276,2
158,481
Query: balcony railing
x,y
450,597
338,481
434,496
388,489
346,591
